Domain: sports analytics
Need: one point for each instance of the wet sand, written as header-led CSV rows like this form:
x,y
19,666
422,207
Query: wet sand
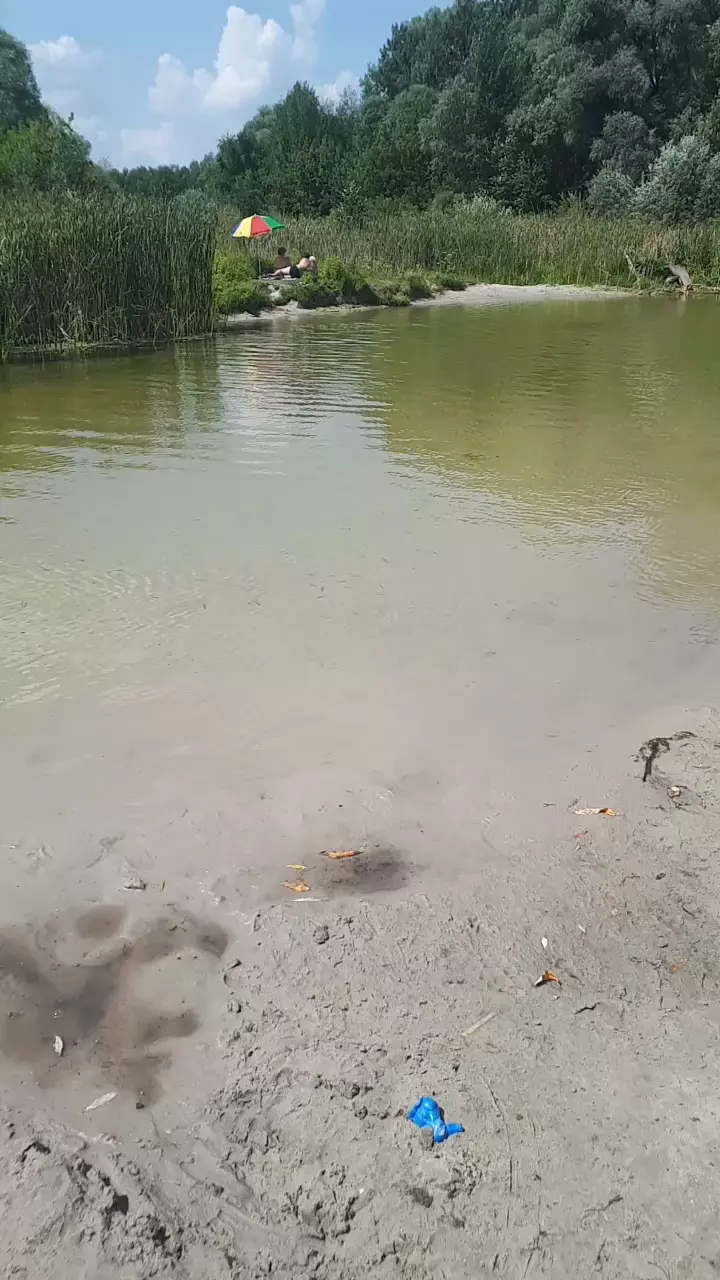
x,y
475,295
281,1144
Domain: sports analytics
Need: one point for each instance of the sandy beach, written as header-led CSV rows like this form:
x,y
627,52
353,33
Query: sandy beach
x,y
259,1127
475,295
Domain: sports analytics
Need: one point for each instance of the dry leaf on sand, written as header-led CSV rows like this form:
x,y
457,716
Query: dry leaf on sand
x,y
297,886
336,855
548,976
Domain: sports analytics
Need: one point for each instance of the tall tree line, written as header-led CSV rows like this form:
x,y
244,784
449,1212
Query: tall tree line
x,y
525,101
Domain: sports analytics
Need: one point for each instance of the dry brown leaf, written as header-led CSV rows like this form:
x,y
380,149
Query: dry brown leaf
x,y
548,976
608,813
337,854
297,886
677,966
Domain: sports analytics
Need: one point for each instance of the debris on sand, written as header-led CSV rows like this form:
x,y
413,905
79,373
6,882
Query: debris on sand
x,y
321,935
59,1046
296,886
426,1114
477,1025
545,943
337,855
135,883
654,747
296,866
100,1102
548,976
582,813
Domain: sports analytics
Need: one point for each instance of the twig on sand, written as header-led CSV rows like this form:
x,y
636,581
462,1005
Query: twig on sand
x,y
477,1025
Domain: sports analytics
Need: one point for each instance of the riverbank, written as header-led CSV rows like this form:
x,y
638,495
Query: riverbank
x,y
173,268
474,295
278,1141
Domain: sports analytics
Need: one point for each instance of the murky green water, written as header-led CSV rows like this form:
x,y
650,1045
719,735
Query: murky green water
x,y
293,486
398,576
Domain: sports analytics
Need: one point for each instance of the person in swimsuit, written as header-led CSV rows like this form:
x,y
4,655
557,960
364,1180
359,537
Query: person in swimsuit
x,y
282,262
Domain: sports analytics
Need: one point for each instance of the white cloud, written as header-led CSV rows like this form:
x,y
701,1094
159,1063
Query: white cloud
x,y
255,57
305,17
61,53
248,53
155,145
67,74
346,82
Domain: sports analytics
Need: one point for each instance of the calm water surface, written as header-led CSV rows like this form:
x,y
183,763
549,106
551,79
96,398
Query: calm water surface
x,y
364,541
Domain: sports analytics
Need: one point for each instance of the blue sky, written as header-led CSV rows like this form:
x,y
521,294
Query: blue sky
x,y
157,81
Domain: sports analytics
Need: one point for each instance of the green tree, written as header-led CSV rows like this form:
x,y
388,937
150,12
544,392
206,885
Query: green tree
x,y
19,95
625,145
470,115
395,159
45,155
683,184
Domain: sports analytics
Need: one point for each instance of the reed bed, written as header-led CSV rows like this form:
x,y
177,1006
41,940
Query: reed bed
x,y
103,271
479,241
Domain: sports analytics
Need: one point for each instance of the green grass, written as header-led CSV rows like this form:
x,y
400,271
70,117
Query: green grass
x,y
79,273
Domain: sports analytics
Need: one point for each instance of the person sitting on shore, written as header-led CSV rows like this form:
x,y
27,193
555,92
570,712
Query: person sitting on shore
x,y
282,262
307,264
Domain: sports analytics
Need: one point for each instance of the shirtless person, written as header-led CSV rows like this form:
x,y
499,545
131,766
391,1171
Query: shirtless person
x,y
282,262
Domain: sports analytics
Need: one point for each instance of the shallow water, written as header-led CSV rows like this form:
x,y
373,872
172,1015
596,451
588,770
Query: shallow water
x,y
356,555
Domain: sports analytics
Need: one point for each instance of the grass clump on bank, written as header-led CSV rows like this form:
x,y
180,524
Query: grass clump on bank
x,y
82,272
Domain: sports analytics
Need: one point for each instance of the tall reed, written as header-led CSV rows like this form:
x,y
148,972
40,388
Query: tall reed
x,y
480,241
82,272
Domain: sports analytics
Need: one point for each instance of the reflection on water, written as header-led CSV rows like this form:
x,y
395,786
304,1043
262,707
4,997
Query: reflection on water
x,y
294,490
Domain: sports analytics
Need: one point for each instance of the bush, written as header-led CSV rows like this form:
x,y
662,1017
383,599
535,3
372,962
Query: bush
x,y
364,293
417,286
311,293
347,283
392,293
453,284
234,289
610,193
681,186
336,278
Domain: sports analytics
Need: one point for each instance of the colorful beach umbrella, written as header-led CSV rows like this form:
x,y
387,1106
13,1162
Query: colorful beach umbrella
x,y
255,226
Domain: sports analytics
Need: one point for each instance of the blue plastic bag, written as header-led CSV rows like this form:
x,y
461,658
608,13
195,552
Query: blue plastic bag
x,y
426,1114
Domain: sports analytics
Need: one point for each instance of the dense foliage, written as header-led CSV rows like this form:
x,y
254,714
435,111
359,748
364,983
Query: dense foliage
x,y
525,101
